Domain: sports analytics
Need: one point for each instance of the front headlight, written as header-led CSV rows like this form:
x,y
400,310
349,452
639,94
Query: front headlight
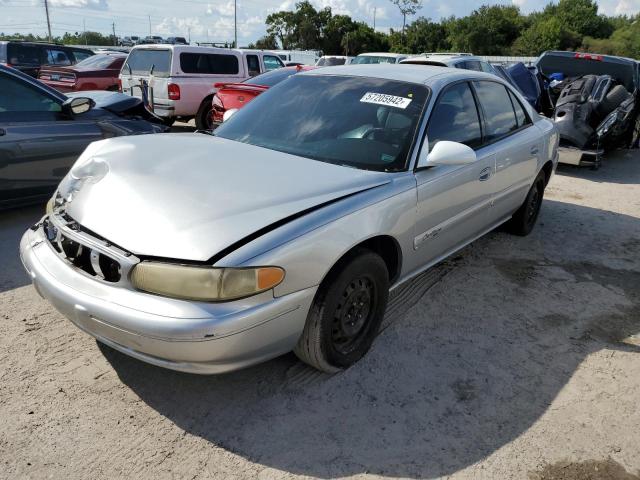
x,y
204,283
49,209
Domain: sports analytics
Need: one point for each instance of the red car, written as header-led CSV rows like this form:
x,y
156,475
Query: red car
x,y
98,72
237,95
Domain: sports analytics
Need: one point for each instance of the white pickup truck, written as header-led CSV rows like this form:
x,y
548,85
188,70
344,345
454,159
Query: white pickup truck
x,y
177,81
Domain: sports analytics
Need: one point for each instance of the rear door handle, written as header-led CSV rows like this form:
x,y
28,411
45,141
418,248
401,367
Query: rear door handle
x,y
534,150
2,132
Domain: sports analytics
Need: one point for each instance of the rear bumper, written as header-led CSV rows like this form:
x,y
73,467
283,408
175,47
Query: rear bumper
x,y
186,336
579,157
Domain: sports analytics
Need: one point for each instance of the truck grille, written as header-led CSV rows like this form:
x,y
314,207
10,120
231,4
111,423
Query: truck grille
x,y
81,256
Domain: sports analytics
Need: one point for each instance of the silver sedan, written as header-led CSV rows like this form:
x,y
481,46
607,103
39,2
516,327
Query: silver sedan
x,y
287,228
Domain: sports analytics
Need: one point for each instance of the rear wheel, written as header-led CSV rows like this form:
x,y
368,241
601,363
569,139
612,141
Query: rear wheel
x,y
204,120
526,216
346,313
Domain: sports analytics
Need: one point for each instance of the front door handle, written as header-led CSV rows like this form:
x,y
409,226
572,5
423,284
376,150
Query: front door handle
x,y
485,174
2,132
534,150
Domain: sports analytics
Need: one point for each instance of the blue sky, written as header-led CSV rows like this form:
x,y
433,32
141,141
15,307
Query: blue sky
x,y
213,19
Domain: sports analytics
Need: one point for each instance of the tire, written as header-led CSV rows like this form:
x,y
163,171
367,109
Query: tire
x,y
614,98
203,117
346,313
168,122
525,218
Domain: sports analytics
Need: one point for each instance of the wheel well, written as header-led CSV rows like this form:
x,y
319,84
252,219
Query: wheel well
x,y
206,100
547,169
385,246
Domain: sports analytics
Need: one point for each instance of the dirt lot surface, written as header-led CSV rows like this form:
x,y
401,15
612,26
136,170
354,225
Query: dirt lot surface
x,y
518,358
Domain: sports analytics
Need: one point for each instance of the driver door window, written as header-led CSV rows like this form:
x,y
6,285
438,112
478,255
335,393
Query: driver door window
x,y
455,118
20,98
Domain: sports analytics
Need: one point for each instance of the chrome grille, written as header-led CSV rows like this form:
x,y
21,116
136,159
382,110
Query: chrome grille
x,y
91,255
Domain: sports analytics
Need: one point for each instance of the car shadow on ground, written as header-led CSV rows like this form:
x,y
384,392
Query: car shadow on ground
x,y
471,355
619,166
13,224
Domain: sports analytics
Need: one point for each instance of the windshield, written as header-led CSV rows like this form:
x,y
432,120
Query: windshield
x,y
97,61
269,79
142,60
366,123
330,61
371,59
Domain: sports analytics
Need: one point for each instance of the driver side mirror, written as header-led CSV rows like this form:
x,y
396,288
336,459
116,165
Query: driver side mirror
x,y
77,105
446,153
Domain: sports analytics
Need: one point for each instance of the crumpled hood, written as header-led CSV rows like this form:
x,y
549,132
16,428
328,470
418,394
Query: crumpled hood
x,y
188,196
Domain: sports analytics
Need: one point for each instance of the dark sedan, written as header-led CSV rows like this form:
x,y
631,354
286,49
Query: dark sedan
x,y
42,132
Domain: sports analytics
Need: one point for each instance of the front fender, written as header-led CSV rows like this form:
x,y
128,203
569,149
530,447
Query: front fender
x,y
308,247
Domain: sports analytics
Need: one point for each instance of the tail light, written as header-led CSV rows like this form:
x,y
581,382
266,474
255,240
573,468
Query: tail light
x,y
588,56
173,91
120,85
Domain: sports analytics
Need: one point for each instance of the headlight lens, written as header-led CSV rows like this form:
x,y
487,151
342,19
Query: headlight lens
x,y
204,283
49,209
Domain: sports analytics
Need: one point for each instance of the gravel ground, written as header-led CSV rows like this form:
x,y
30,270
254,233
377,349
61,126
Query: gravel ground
x,y
518,358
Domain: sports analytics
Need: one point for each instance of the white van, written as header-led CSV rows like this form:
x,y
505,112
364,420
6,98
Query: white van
x,y
177,81
305,57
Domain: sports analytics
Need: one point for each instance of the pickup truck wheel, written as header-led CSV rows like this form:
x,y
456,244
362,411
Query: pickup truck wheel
x,y
346,313
203,117
525,217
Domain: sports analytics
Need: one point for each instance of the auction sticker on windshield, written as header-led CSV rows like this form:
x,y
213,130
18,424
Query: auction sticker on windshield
x,y
388,100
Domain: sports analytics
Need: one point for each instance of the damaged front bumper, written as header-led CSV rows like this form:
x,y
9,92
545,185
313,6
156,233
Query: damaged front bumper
x,y
195,337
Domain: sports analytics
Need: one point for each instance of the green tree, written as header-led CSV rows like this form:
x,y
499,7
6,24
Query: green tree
x,y
266,42
281,25
547,34
407,7
489,30
422,35
335,31
364,39
581,17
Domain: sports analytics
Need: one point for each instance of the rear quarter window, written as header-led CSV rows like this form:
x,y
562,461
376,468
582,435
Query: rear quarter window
x,y
142,60
18,54
209,63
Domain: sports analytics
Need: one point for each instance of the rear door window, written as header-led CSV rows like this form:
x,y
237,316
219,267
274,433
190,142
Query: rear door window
x,y
81,55
141,61
209,63
499,116
521,116
271,62
455,118
19,54
58,57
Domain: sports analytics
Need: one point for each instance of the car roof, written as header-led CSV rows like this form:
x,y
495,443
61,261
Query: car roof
x,y
423,74
199,48
382,54
441,58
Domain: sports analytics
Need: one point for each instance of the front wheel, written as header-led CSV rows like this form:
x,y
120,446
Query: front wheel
x,y
525,217
345,315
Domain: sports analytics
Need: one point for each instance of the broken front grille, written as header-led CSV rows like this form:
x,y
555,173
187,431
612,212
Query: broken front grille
x,y
93,256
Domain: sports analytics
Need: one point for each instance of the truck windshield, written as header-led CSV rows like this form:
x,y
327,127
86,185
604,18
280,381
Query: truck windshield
x,y
359,122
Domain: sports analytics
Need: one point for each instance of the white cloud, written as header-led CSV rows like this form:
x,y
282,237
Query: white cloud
x,y
93,4
225,9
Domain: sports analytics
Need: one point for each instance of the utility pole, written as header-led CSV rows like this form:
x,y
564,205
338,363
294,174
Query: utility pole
x,y
235,23
115,39
84,30
46,9
149,25
189,34
374,17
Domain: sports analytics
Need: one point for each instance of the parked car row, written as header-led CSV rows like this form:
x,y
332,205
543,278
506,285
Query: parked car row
x,y
133,40
29,57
